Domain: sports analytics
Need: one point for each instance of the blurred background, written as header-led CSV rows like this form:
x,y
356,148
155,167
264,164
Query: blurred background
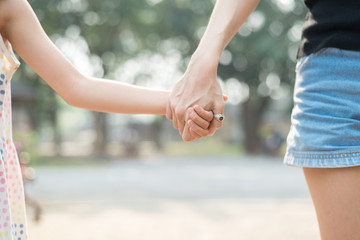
x,y
93,175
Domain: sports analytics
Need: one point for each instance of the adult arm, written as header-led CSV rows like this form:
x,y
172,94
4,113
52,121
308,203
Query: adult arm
x,y
199,83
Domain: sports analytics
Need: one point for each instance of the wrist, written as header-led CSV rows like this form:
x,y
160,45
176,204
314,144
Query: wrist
x,y
207,55
204,61
163,100
211,44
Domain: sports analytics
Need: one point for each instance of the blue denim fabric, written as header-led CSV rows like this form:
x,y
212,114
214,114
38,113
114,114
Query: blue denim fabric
x,y
325,122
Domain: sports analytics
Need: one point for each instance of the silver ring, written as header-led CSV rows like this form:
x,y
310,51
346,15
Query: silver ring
x,y
219,117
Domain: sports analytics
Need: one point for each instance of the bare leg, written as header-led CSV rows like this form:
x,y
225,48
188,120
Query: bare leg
x,y
336,197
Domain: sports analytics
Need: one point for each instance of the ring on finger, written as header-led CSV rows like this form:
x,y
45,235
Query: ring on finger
x,y
219,117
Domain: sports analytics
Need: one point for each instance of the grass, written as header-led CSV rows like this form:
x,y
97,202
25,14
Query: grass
x,y
61,161
202,147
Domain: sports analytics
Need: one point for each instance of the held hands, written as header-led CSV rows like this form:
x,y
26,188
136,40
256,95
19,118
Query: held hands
x,y
199,121
198,86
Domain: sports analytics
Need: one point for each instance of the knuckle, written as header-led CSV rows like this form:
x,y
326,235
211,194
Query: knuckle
x,y
171,104
179,112
168,116
181,127
192,116
195,118
204,134
187,138
209,117
197,130
195,136
208,114
221,105
212,128
194,128
200,111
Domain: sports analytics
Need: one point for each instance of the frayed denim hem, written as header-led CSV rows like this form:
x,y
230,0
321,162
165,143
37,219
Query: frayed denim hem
x,y
322,160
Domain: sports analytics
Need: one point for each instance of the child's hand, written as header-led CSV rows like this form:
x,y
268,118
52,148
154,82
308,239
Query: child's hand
x,y
199,121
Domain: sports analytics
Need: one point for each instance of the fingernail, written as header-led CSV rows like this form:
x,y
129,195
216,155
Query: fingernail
x,y
197,107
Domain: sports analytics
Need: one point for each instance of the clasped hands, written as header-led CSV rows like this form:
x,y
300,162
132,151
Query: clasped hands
x,y
194,100
198,122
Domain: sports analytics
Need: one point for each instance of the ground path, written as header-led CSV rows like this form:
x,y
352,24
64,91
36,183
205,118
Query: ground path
x,y
173,198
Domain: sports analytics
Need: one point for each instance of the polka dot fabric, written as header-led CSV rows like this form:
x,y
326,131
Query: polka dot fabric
x,y
12,203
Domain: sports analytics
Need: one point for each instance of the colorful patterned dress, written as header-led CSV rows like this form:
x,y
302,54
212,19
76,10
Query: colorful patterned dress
x,y
12,203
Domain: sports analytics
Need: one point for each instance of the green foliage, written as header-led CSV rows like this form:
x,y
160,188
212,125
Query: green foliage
x,y
25,141
265,44
126,28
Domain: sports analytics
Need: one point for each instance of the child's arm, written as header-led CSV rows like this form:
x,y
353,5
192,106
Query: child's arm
x,y
20,26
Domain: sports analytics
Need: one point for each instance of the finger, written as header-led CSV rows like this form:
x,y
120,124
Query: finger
x,y
215,124
187,136
174,120
197,130
168,111
207,115
204,124
175,124
180,113
180,125
195,136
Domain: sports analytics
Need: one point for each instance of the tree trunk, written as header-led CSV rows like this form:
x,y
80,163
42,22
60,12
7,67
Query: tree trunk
x,y
156,127
56,134
53,113
252,114
102,139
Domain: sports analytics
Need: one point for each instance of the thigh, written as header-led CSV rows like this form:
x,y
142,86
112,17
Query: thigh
x,y
336,197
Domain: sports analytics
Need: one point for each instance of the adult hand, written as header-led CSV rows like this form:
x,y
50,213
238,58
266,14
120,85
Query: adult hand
x,y
198,86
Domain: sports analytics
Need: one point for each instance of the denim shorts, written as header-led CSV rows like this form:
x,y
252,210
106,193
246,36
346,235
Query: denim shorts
x,y
325,121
